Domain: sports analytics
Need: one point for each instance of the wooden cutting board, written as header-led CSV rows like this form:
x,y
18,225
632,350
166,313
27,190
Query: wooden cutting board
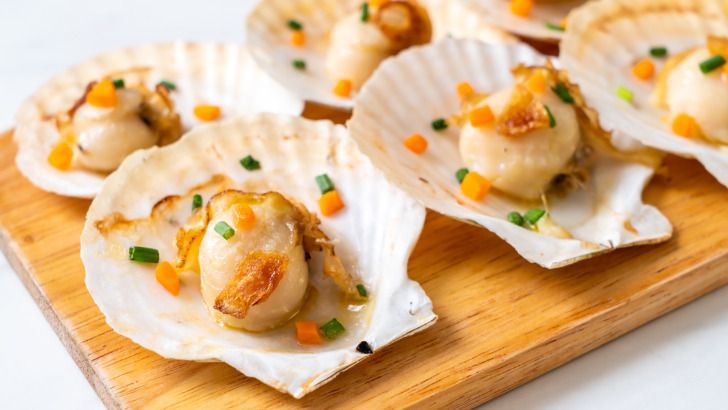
x,y
503,321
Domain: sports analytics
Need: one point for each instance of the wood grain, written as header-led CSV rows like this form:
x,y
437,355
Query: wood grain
x,y
502,322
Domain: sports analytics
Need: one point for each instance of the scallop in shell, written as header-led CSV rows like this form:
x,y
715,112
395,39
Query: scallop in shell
x,y
410,91
608,38
147,200
222,75
312,70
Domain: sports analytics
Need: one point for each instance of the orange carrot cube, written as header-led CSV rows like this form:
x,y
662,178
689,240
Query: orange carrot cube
x,y
308,333
243,216
207,112
343,88
330,203
684,125
537,83
521,8
103,94
644,69
475,186
167,277
298,39
61,156
464,89
481,116
416,143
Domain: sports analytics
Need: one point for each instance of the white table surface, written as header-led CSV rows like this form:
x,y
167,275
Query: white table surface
x,y
678,361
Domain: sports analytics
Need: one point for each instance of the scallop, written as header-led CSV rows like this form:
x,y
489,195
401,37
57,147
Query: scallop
x,y
242,291
585,193
212,74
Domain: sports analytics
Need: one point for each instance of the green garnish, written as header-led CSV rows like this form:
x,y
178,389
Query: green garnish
x,y
658,51
224,230
712,63
460,175
552,120
563,93
142,254
250,163
624,93
439,124
533,215
551,26
324,183
118,82
516,218
332,329
362,290
168,85
299,64
196,201
365,12
294,25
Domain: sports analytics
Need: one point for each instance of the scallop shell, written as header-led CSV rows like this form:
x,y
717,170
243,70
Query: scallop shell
x,y
411,90
375,234
268,39
606,38
219,74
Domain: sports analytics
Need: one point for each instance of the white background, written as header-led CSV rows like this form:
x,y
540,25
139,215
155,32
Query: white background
x,y
679,361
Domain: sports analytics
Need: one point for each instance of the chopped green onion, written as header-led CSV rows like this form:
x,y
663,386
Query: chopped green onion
x,y
551,26
624,93
299,64
168,85
250,163
224,230
332,329
324,183
362,290
516,218
196,201
439,124
658,51
118,82
294,25
563,93
712,63
365,12
460,175
552,120
533,215
142,254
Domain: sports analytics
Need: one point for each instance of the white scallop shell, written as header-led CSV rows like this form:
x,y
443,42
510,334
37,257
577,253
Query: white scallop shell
x,y
219,74
606,38
411,90
375,233
268,38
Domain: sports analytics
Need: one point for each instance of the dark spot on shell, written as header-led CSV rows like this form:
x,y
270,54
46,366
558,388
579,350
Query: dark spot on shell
x,y
364,347
424,180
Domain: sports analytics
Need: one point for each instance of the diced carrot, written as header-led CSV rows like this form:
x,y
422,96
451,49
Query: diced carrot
x,y
684,125
475,186
167,277
481,116
521,8
464,89
644,69
537,83
330,203
343,88
103,94
416,143
207,112
564,22
61,156
298,39
308,333
243,216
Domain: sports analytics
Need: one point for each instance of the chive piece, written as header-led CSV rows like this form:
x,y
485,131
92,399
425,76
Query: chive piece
x,y
294,25
516,218
460,175
551,26
563,93
365,12
196,201
299,64
439,124
533,215
552,120
324,183
624,93
658,51
250,163
168,85
712,63
224,230
364,347
362,290
332,329
142,254
118,82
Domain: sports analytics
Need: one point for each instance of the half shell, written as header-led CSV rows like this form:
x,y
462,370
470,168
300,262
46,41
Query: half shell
x,y
414,88
606,38
219,74
374,235
268,38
